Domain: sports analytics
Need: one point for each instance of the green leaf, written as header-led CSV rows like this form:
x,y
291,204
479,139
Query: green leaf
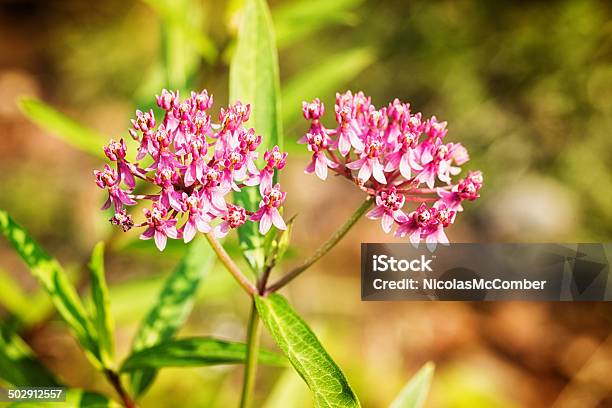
x,y
101,316
328,384
185,18
297,19
53,279
323,79
63,127
74,399
18,365
414,394
254,80
172,307
194,352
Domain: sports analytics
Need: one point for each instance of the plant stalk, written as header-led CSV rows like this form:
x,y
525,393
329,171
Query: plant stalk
x,y
233,269
250,366
115,381
323,249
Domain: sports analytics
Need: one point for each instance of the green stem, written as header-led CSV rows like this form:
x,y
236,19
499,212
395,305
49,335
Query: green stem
x,y
250,366
323,249
230,265
115,381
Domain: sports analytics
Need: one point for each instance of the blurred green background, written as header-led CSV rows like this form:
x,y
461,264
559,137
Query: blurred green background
x,y
525,86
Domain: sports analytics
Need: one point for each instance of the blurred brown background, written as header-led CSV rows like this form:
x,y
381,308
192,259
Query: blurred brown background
x,y
525,86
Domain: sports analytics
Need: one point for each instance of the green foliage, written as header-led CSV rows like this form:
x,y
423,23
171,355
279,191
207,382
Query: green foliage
x,y
414,394
74,399
195,352
18,365
299,18
182,40
101,314
172,307
322,375
254,80
52,277
63,127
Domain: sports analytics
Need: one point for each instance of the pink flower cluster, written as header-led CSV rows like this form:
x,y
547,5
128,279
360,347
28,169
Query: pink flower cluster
x,y
192,164
395,156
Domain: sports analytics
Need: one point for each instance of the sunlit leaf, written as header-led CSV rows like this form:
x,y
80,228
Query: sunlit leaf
x,y
172,307
194,352
414,394
323,78
296,19
18,365
254,80
54,280
102,318
328,384
182,40
63,127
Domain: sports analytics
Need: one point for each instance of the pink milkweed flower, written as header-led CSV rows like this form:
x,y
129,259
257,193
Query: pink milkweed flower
x,y
195,170
435,129
318,143
397,151
169,197
159,227
274,159
466,189
109,179
404,158
197,219
233,218
436,159
167,100
388,208
369,164
268,213
116,152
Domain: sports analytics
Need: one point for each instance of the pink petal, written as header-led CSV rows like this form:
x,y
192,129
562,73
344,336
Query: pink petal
x,y
265,223
160,240
386,222
356,165
376,213
365,172
377,168
404,166
321,167
189,231
277,220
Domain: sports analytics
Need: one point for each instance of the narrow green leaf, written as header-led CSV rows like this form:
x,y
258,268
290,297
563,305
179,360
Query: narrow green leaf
x,y
172,307
194,352
18,365
323,79
53,279
102,318
297,19
185,18
328,384
254,80
414,394
74,399
63,127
